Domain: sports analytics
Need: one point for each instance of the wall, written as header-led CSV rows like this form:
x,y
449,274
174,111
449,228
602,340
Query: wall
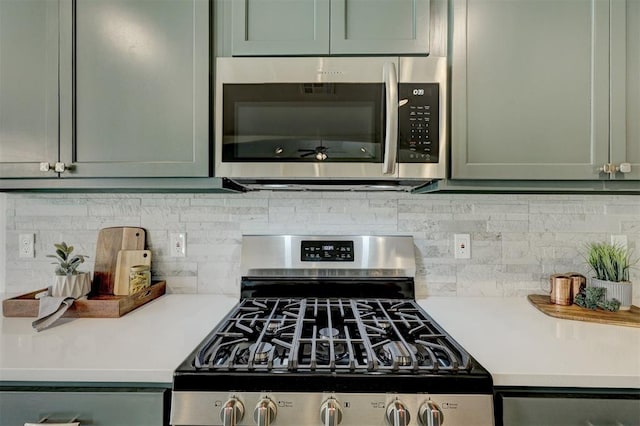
x,y
517,240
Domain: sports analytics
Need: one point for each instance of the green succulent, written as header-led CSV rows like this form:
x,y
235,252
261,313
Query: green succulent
x,y
66,263
609,262
593,298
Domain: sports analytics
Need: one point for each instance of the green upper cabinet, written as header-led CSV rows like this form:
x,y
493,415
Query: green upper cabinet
x,y
28,87
280,27
104,88
625,88
379,27
135,88
324,27
530,89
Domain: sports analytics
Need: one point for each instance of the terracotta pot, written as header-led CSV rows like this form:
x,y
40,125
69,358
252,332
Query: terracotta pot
x,y
623,291
74,286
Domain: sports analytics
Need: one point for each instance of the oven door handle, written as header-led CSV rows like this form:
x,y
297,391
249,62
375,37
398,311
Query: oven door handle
x,y
391,120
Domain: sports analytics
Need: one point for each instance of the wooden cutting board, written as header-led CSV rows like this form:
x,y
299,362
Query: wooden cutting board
x,y
126,259
110,242
630,318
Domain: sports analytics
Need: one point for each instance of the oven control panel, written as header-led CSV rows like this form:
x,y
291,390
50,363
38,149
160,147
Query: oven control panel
x,y
326,251
318,409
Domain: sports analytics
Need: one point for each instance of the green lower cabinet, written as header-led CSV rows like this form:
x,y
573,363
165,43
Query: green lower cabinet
x,y
123,407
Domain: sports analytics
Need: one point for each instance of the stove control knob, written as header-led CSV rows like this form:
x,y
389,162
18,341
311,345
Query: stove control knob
x,y
232,412
331,412
398,414
431,414
265,412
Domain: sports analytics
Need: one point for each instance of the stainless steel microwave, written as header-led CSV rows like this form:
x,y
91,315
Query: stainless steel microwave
x,y
311,122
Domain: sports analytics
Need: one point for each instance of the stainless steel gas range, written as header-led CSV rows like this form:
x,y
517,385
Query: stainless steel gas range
x,y
327,332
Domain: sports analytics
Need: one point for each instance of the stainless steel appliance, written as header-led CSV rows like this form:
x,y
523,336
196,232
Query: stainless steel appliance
x,y
333,121
327,332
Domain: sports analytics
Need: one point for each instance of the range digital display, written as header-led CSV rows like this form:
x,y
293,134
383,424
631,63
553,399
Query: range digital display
x,y
326,251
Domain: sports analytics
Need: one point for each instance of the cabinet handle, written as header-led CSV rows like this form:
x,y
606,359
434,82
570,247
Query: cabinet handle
x,y
609,168
612,169
391,123
60,167
53,424
625,167
45,166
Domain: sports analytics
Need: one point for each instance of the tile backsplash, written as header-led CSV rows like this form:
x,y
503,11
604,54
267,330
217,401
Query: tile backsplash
x,y
517,241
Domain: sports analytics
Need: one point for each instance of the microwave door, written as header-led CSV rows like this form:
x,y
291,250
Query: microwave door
x,y
327,129
299,118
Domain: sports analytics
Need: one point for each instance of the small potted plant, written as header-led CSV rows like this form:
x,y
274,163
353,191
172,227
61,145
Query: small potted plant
x,y
611,263
69,281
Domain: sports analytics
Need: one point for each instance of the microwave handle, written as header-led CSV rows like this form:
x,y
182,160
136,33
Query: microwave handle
x,y
391,122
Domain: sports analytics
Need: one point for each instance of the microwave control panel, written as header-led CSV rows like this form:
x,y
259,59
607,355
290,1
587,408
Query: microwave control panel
x,y
326,251
418,118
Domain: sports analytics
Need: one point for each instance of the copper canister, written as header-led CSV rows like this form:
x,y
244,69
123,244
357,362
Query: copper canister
x,y
578,283
561,290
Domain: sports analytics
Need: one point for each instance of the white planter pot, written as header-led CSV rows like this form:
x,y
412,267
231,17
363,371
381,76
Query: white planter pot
x,y
74,286
623,291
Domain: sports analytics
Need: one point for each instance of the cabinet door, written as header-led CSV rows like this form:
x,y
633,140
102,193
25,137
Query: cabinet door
x,y
136,101
88,407
28,87
280,27
530,89
625,86
379,27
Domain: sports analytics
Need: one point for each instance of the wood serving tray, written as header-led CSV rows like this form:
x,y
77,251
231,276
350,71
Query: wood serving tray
x,y
630,318
95,306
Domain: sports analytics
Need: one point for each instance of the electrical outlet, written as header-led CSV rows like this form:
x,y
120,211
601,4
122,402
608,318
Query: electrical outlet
x,y
462,246
619,240
26,245
178,244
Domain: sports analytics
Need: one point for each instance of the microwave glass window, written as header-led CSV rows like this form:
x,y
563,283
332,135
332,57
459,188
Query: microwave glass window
x,y
339,122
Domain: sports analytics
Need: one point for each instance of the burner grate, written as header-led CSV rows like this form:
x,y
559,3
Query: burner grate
x,y
381,336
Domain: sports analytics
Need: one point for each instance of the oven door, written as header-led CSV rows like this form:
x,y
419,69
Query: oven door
x,y
300,118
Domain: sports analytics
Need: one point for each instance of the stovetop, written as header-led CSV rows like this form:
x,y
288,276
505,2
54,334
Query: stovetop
x,y
319,344
381,336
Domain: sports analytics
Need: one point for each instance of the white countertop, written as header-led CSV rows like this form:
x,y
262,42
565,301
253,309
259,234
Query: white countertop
x,y
145,345
519,345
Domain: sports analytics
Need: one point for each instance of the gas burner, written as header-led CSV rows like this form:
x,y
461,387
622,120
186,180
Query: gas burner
x,y
244,350
397,353
326,333
383,324
262,351
323,351
323,347
274,326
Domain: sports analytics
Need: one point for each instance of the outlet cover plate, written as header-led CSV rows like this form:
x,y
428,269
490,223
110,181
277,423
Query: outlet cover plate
x,y
26,244
178,244
462,246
